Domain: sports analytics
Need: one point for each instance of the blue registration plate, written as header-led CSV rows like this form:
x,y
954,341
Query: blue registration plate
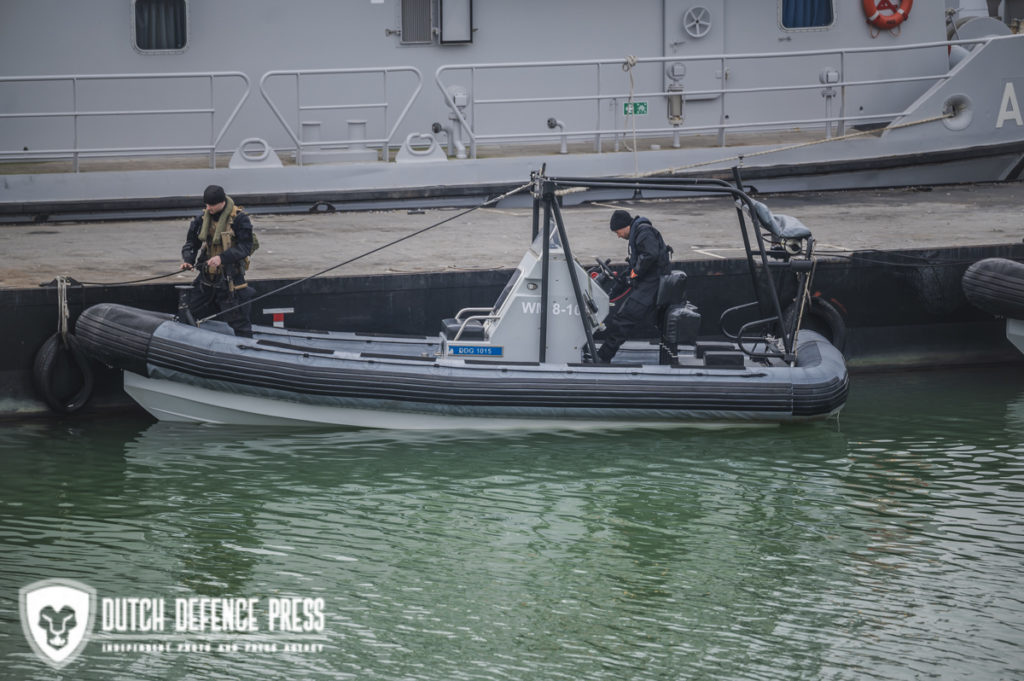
x,y
477,350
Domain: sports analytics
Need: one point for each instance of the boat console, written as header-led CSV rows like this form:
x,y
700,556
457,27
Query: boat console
x,y
511,329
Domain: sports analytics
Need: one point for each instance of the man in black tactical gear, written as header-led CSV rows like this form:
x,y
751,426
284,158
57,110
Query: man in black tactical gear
x,y
635,294
218,244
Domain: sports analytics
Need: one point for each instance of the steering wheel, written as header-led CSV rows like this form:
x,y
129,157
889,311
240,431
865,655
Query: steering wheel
x,y
605,269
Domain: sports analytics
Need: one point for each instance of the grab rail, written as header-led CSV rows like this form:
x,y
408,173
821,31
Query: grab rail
x,y
78,112
475,317
301,107
765,289
472,115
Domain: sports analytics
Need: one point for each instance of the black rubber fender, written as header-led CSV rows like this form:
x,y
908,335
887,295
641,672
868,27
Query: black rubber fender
x,y
54,365
821,316
996,285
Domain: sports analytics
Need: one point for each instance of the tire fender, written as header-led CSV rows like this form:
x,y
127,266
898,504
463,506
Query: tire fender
x,y
821,316
45,370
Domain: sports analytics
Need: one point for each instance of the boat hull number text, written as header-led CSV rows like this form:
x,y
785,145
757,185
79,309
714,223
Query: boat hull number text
x,y
556,308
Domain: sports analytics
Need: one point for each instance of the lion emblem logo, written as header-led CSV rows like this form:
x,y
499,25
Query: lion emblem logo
x,y
57,616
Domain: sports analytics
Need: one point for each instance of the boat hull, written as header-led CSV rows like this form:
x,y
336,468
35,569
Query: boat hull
x,y
174,401
182,373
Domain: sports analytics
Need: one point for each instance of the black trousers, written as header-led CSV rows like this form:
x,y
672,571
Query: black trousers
x,y
628,315
207,299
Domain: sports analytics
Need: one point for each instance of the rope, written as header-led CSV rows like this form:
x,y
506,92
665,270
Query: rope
x,y
570,190
133,281
62,308
805,299
740,157
675,169
916,261
627,66
371,251
141,281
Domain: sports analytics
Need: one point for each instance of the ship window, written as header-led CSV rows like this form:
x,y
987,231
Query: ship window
x,y
417,22
160,25
456,21
807,13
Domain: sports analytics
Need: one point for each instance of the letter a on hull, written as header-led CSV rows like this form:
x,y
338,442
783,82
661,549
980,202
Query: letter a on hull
x,y
57,617
1009,108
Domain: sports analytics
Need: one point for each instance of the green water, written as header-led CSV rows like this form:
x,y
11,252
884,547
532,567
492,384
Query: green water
x,y
887,546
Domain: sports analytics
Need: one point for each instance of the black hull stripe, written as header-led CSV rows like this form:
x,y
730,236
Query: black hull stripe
x,y
124,337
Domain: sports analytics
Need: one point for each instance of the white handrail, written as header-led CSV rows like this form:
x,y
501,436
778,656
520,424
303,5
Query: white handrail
x,y
383,71
76,112
471,114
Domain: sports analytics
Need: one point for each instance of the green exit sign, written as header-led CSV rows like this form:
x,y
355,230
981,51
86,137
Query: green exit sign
x,y
634,109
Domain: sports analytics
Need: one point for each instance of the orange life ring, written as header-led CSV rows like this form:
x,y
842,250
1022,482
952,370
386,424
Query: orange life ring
x,y
886,22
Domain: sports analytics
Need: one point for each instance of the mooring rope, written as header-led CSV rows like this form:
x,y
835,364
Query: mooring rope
x,y
372,251
62,308
805,300
790,147
127,283
740,157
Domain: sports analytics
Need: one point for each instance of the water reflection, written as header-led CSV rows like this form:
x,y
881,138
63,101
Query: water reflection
x,y
1015,416
940,503
887,546
59,477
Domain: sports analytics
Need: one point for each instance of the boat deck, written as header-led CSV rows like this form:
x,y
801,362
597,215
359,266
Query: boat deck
x,y
296,245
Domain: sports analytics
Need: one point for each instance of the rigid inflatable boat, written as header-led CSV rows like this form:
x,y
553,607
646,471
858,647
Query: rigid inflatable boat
x,y
507,365
996,285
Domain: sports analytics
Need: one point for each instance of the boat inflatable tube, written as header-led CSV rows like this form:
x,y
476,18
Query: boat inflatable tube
x,y
55,367
278,368
996,285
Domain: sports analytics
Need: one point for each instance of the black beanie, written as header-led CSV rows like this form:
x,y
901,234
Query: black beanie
x,y
213,195
620,219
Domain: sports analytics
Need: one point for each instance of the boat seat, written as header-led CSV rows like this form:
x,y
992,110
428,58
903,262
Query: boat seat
x,y
702,347
474,329
723,359
678,320
671,288
679,325
781,226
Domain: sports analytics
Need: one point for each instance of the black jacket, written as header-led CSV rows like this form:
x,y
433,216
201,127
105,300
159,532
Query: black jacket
x,y
649,257
232,258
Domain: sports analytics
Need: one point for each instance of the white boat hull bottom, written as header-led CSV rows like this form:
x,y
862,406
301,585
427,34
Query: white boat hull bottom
x,y
179,402
1015,332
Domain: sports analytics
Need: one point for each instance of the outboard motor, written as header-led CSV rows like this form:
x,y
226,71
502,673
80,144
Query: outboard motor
x,y
678,320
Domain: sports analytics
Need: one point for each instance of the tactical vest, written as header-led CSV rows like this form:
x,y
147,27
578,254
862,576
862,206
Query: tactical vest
x,y
664,250
219,238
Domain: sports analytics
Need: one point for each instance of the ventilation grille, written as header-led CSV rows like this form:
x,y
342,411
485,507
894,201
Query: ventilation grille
x,y
416,22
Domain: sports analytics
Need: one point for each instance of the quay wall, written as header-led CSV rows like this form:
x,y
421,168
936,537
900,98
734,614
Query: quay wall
x,y
902,310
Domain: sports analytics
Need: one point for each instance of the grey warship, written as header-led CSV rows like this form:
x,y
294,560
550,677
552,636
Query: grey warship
x,y
113,106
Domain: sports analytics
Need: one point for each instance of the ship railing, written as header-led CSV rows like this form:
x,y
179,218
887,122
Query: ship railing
x,y
471,110
349,99
79,112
